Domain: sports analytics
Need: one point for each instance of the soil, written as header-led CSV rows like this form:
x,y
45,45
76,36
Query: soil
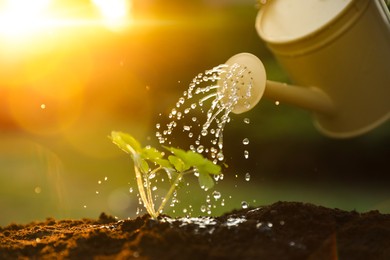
x,y
284,230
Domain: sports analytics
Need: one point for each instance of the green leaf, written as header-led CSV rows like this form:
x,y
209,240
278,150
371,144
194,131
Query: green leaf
x,y
189,158
194,158
202,165
151,153
182,155
163,162
210,167
178,152
143,165
126,142
155,156
178,163
205,181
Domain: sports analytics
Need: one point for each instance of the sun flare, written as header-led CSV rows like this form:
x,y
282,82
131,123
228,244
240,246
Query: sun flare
x,y
20,18
114,12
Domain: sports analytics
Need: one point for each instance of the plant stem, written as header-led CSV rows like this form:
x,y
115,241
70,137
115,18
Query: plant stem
x,y
147,203
171,190
149,190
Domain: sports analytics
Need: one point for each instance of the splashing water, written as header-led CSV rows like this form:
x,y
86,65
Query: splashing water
x,y
200,116
214,94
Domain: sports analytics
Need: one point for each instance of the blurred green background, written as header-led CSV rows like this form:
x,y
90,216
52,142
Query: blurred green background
x,y
65,88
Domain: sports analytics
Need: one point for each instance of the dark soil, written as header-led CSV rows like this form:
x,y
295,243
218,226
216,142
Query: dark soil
x,y
284,230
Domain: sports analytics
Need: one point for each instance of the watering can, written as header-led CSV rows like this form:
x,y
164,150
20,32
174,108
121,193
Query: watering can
x,y
337,55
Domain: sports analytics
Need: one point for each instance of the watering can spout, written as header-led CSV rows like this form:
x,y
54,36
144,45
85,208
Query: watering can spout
x,y
310,98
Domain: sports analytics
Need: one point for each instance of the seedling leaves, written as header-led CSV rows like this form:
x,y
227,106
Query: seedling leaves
x,y
177,163
205,181
126,142
149,160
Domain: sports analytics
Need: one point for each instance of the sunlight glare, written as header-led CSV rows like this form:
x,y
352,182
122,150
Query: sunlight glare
x,y
114,12
21,18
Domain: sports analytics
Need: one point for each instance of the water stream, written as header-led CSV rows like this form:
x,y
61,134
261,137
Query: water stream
x,y
203,110
200,116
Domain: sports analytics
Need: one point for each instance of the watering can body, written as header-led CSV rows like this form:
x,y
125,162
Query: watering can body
x,y
347,57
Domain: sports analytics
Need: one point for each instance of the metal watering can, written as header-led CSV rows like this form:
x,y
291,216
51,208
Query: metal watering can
x,y
336,53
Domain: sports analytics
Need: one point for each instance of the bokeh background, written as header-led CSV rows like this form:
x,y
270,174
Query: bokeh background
x,y
73,71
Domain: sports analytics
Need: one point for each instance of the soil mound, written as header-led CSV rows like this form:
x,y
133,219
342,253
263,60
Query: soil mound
x,y
284,230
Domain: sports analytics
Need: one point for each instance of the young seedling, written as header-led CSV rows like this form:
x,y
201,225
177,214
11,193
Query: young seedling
x,y
148,161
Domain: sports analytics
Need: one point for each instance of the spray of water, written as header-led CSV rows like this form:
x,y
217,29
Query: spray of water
x,y
201,114
205,107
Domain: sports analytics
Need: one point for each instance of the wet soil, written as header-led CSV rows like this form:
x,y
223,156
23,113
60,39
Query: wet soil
x,y
284,230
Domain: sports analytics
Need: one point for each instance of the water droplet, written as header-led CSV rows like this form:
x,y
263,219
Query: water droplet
x,y
203,208
174,111
131,190
247,176
194,119
99,182
43,106
154,188
247,120
277,103
244,205
246,154
204,132
105,178
151,176
186,128
216,195
179,115
245,141
158,126
220,156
